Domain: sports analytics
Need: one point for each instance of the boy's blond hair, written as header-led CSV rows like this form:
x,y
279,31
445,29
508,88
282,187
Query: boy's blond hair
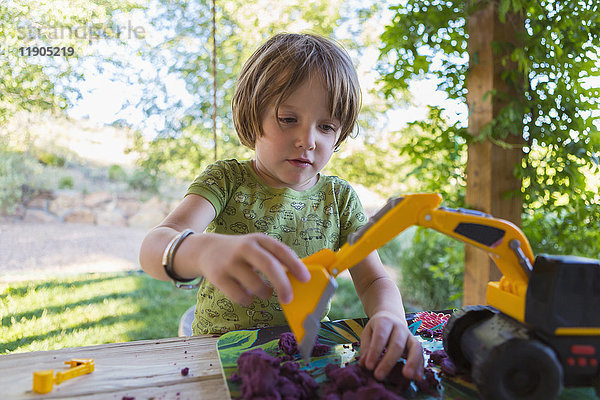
x,y
279,66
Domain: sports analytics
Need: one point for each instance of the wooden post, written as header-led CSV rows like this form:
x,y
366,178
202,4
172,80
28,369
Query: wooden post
x,y
491,184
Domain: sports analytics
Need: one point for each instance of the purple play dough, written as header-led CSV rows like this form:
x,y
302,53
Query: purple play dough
x,y
354,382
320,349
262,377
289,345
430,384
448,368
439,357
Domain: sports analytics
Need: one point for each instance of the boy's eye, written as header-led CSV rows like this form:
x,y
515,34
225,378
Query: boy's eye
x,y
328,128
287,120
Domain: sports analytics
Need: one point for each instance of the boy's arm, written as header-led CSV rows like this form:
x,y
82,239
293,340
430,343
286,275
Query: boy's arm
x,y
233,263
375,288
194,212
387,326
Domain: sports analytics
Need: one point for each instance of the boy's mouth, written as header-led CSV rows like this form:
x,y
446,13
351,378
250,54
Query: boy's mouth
x,y
300,162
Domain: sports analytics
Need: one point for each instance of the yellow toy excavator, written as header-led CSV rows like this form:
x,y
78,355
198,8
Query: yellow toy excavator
x,y
542,330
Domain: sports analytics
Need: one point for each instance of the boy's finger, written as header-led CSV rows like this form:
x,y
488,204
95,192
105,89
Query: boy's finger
x,y
253,282
365,342
391,356
414,368
263,260
235,291
286,257
379,339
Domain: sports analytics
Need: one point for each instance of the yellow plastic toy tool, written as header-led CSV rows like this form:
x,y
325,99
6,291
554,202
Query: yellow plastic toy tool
x,y
43,381
305,311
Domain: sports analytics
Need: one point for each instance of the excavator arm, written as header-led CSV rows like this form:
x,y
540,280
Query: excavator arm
x,y
505,243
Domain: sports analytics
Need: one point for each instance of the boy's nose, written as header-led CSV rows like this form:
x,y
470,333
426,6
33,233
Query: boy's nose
x,y
306,138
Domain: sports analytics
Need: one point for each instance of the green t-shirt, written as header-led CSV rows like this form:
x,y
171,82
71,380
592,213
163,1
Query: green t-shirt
x,y
307,221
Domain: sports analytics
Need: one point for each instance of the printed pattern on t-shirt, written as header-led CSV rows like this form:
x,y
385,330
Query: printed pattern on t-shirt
x,y
308,221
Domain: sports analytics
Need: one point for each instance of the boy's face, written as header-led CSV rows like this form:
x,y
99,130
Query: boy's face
x,y
291,153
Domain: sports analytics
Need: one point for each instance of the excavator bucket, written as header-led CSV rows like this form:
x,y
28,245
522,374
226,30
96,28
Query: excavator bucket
x,y
305,311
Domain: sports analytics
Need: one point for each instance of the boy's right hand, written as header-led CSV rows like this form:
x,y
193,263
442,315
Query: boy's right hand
x,y
233,262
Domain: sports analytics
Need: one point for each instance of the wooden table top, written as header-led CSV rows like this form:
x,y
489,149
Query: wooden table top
x,y
141,370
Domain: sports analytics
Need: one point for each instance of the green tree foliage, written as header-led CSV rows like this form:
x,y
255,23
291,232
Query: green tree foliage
x,y
181,49
401,161
41,82
558,56
15,169
430,263
184,52
432,270
35,83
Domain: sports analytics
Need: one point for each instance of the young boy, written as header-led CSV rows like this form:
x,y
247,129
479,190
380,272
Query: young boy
x,y
296,100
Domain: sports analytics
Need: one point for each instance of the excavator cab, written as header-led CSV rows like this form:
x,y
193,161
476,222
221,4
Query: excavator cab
x,y
563,294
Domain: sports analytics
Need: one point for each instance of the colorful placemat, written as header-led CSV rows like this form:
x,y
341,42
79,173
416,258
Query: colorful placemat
x,y
340,335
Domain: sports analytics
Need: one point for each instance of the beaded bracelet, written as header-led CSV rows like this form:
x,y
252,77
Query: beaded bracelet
x,y
169,256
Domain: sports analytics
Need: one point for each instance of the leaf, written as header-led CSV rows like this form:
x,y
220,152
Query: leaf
x,y
545,69
233,343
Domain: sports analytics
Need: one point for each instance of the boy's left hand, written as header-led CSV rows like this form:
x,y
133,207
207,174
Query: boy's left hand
x,y
387,330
